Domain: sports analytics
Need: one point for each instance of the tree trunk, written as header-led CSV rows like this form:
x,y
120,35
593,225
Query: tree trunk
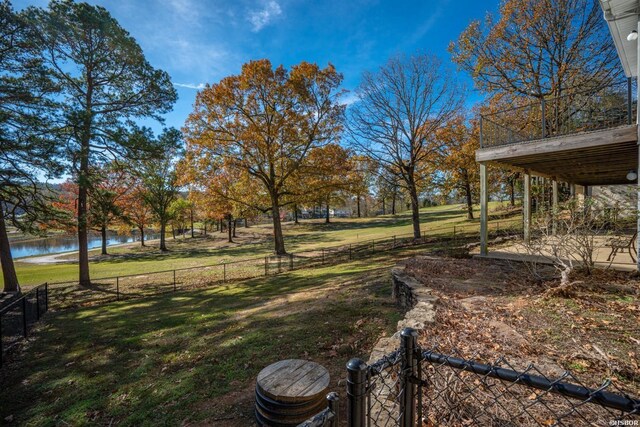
x,y
142,236
204,228
467,189
173,232
383,207
415,210
83,246
192,231
6,260
326,219
358,203
278,239
295,214
103,234
512,192
246,223
163,243
393,204
230,229
221,225
235,224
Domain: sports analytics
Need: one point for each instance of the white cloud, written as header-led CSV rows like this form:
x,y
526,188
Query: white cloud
x,y
190,85
349,98
261,18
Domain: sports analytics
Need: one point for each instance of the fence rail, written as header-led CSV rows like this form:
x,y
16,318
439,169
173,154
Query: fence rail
x,y
596,109
115,288
17,318
19,315
417,386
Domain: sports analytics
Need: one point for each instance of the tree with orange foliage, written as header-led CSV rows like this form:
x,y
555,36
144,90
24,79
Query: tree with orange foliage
x,y
539,48
134,209
264,122
326,174
458,162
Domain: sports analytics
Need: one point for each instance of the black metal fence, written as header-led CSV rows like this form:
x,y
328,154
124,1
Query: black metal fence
x,y
596,109
18,317
415,386
107,289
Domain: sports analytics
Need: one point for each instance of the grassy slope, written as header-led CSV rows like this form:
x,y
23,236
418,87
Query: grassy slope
x,y
256,241
193,356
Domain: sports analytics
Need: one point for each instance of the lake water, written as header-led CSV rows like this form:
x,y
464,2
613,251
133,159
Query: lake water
x,y
69,243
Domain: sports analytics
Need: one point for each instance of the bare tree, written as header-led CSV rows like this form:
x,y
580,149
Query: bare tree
x,y
400,108
569,237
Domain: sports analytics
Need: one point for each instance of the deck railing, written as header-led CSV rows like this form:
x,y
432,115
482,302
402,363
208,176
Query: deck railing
x,y
602,108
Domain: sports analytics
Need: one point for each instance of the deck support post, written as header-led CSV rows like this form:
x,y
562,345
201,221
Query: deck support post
x,y
554,206
526,207
484,206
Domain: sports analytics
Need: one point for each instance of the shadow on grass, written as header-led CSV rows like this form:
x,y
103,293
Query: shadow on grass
x,y
168,359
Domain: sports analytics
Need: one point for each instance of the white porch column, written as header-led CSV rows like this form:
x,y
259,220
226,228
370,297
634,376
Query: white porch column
x,y
526,207
484,209
554,205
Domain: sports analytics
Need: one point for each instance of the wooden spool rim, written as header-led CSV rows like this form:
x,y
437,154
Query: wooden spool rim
x,y
293,380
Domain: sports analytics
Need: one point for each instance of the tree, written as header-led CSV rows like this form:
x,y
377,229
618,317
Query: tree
x,y
159,180
539,48
360,178
459,167
27,153
264,122
107,186
327,172
400,109
105,81
135,210
180,213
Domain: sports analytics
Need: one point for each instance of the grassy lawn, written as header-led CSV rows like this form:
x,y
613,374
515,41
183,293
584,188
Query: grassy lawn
x,y
255,241
192,357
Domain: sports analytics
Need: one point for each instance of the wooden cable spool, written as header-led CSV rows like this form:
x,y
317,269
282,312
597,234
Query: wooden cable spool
x,y
289,392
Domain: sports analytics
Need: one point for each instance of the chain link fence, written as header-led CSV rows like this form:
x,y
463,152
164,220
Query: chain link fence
x,y
19,315
415,386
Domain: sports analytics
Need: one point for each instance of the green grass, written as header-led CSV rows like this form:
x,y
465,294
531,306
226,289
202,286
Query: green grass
x,y
255,241
192,357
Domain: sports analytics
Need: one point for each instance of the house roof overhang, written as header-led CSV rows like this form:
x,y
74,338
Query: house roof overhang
x,y
622,18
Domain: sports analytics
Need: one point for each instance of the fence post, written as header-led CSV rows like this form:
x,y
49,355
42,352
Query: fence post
x,y
24,315
408,344
356,393
224,272
174,280
38,303
332,399
117,288
290,261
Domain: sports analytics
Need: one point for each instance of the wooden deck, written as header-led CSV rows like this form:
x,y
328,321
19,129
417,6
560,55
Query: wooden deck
x,y
601,157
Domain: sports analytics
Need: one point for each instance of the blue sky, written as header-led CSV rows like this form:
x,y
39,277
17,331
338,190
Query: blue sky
x,y
202,41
